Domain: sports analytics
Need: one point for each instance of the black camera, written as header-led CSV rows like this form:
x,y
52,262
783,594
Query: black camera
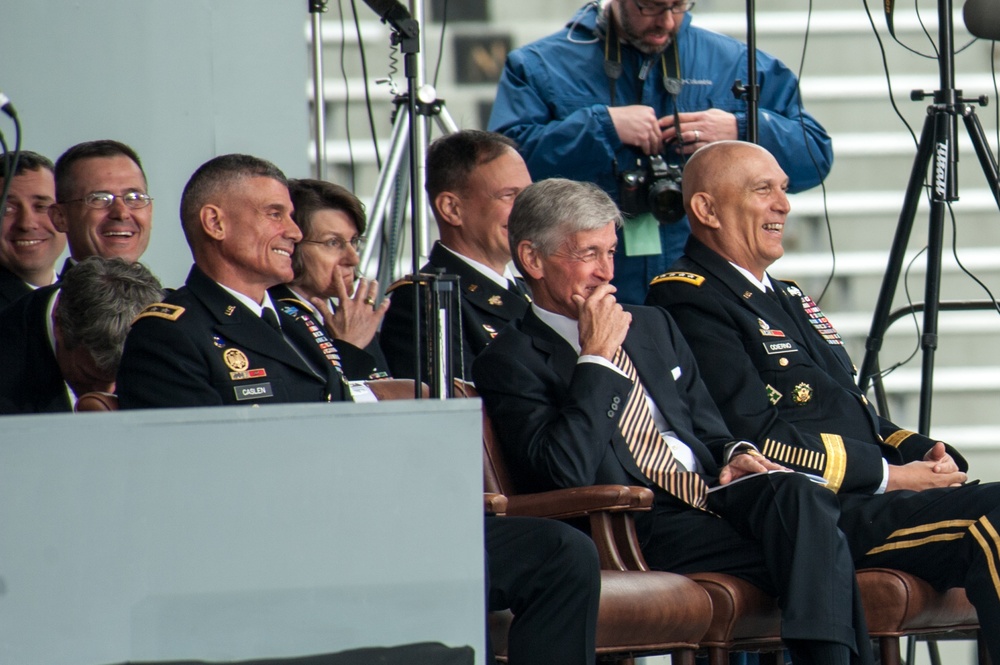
x,y
655,189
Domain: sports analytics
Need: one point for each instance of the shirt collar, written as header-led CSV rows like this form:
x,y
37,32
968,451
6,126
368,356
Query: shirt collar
x,y
485,270
565,327
762,285
250,303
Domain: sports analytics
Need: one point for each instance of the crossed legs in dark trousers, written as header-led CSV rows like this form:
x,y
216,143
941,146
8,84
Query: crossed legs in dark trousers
x,y
548,574
949,537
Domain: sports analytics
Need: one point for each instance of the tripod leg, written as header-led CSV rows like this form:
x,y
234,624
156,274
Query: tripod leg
x,y
445,122
384,187
914,190
986,159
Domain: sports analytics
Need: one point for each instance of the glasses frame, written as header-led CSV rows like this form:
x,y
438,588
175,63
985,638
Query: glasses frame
x,y
676,8
145,200
340,244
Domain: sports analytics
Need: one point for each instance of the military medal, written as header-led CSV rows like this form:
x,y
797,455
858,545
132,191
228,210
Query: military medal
x,y
818,320
802,393
766,330
236,360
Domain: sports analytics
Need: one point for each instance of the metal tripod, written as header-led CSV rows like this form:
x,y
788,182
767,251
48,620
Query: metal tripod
x,y
386,223
937,147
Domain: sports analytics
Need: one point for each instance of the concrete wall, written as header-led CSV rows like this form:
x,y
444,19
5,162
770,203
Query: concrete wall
x,y
179,80
239,533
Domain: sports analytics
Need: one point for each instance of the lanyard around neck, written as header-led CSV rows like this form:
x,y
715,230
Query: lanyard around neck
x,y
613,66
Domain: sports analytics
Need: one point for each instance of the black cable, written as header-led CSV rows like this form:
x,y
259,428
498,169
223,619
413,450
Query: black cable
x,y
954,252
888,78
923,26
913,313
368,95
10,163
444,25
812,155
996,98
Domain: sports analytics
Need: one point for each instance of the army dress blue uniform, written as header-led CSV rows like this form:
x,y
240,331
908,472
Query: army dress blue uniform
x,y
486,309
781,377
202,347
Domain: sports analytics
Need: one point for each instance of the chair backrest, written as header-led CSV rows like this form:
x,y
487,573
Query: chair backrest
x,y
496,478
96,401
385,389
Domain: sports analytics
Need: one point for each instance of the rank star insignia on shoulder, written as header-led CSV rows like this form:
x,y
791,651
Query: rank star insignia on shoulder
x,y
160,310
685,277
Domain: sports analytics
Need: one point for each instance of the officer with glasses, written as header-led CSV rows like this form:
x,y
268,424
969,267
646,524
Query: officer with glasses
x,y
102,201
102,206
594,101
332,221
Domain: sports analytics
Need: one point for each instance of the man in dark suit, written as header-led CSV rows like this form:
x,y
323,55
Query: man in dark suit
x,y
473,178
29,243
54,349
778,371
220,339
584,391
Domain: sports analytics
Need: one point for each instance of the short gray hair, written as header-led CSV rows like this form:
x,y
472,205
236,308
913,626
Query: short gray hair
x,y
549,210
98,299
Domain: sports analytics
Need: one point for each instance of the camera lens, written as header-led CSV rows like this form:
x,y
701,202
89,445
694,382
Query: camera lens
x,y
666,201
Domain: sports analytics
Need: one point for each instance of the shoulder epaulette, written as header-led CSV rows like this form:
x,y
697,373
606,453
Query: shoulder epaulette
x,y
295,301
405,281
398,283
161,310
686,277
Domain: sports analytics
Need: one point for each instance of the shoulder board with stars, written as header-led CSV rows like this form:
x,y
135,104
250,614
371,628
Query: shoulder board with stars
x,y
686,277
160,310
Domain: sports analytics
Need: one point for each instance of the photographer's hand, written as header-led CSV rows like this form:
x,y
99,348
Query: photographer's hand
x,y
699,128
637,126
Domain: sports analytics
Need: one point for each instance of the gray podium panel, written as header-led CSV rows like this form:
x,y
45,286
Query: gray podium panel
x,y
236,533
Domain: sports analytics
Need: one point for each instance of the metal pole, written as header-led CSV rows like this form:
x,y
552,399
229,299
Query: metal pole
x,y
316,9
421,235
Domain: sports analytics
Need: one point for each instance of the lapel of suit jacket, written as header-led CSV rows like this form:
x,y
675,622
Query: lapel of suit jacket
x,y
12,287
50,381
792,322
559,355
561,358
644,347
479,291
233,321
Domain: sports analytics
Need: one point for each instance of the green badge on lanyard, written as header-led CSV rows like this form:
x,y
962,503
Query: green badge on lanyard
x,y
642,235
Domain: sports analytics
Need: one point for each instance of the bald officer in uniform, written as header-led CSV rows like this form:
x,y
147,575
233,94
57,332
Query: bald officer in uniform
x,y
220,339
778,371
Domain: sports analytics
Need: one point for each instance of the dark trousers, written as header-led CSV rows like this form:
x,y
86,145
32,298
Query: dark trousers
x,y
547,573
778,531
949,537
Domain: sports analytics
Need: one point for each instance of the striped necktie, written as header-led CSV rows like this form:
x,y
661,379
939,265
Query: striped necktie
x,y
650,451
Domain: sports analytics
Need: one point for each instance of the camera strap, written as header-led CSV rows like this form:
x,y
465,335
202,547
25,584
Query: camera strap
x,y
613,66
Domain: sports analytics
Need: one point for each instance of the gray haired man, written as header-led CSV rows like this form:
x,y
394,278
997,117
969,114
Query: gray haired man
x,y
57,344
